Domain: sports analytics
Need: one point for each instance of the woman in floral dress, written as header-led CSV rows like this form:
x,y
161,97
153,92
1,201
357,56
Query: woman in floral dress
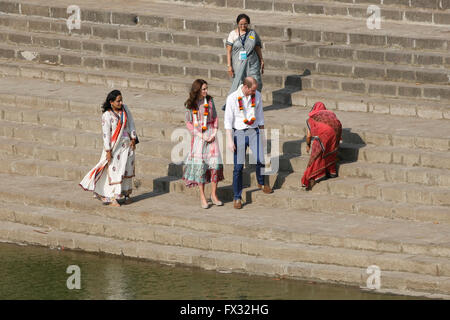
x,y
204,163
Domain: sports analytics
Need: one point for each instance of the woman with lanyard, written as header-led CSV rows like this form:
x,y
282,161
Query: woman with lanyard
x,y
244,56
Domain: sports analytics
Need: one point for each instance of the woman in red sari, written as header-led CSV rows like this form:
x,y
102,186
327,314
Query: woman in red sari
x,y
326,129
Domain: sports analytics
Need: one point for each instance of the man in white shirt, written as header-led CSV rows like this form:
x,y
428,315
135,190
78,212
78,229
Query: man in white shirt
x,y
243,120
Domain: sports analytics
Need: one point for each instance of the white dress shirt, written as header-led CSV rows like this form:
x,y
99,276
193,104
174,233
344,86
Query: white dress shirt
x,y
234,119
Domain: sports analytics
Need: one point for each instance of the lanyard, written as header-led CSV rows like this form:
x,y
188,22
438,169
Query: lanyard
x,y
243,40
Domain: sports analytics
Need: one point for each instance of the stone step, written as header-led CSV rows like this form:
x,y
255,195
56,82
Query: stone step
x,y
143,42
172,16
67,221
110,79
333,204
197,57
376,87
433,286
153,65
368,188
354,231
356,102
305,99
377,171
437,13
379,129
50,143
420,4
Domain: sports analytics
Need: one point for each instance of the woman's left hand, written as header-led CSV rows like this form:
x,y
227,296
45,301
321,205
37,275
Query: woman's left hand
x,y
211,139
133,144
262,66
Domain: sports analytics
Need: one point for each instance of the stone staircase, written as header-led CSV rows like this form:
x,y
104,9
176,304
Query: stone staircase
x,y
390,88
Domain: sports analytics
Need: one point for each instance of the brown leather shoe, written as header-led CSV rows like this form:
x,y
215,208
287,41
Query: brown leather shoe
x,y
265,188
237,204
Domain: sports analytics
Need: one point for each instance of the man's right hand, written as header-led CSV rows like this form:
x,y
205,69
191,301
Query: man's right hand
x,y
231,145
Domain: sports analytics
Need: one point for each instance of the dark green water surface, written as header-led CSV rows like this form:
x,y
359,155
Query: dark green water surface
x,y
29,272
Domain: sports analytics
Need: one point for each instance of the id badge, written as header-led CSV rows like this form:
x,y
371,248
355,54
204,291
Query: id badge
x,y
242,55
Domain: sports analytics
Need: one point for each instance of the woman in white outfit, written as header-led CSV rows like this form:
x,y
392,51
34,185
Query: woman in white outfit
x,y
111,179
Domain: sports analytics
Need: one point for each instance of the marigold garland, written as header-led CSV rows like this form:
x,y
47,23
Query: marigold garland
x,y
241,108
205,116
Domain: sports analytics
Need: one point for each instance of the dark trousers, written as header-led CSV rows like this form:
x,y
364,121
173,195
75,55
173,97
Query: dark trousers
x,y
243,139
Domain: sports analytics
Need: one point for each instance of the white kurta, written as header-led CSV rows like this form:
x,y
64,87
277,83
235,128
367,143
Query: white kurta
x,y
114,180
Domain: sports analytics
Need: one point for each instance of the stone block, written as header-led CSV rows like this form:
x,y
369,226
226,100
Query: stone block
x,y
171,70
7,53
370,55
409,92
432,77
283,7
70,60
175,54
235,4
341,53
19,38
197,72
143,67
35,10
357,87
400,74
401,42
122,18
211,41
10,7
431,44
370,72
117,65
441,17
336,37
428,59
418,16
92,46
403,110
399,57
305,35
105,32
259,5
201,25
383,89
427,4
96,16
115,49
308,8
153,21
35,26
370,40
427,112
92,62
45,42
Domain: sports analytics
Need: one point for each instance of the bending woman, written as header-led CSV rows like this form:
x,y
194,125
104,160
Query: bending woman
x,y
204,163
111,178
244,55
326,129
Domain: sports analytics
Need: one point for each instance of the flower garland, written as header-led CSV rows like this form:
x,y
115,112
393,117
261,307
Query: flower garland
x,y
241,108
205,116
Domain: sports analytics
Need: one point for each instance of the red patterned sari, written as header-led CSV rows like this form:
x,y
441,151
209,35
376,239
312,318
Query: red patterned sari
x,y
326,130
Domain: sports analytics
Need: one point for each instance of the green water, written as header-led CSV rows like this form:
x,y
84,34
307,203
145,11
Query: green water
x,y
29,272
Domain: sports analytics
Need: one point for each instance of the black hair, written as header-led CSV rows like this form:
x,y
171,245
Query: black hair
x,y
112,96
243,16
